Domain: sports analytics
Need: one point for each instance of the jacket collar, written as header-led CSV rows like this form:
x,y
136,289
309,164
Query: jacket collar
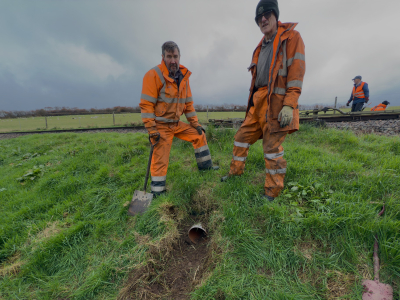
x,y
284,31
165,72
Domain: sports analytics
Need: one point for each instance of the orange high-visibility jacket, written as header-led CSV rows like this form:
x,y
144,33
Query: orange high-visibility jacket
x,y
359,92
286,74
161,102
379,107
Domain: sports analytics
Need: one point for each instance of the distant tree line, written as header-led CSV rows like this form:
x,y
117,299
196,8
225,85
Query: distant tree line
x,y
64,111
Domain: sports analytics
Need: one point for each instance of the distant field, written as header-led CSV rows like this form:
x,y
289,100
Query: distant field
x,y
87,121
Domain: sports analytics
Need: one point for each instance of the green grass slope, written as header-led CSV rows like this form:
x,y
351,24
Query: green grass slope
x,y
64,232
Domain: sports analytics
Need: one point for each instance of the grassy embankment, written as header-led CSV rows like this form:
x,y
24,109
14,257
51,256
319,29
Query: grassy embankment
x,y
87,121
65,233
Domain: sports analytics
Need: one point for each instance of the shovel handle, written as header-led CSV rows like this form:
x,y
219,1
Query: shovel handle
x,y
376,250
149,163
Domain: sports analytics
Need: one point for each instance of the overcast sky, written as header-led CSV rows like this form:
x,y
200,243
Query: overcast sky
x,y
95,53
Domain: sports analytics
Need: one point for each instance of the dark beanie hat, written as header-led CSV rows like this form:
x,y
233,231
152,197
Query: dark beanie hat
x,y
386,102
266,5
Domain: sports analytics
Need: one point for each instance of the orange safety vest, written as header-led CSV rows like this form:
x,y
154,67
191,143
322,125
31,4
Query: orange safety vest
x,y
358,92
379,107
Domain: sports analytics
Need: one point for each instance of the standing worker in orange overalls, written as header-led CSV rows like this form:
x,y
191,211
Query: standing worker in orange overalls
x,y
359,95
277,69
165,97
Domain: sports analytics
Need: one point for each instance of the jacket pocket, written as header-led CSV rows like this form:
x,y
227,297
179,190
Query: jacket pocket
x,y
161,109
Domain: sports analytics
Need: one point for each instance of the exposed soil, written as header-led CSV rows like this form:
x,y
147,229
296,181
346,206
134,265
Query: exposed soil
x,y
177,274
184,268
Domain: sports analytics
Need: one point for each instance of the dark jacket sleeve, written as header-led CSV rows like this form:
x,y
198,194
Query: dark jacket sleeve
x,y
366,90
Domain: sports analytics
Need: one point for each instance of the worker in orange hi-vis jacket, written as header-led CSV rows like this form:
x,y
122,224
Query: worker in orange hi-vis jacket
x,y
277,68
166,95
381,107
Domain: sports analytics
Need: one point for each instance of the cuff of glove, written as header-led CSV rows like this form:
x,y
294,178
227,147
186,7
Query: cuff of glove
x,y
152,130
195,124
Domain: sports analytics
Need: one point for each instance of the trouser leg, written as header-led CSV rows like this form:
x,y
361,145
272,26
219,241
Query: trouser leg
x,y
187,133
248,134
160,159
359,106
275,164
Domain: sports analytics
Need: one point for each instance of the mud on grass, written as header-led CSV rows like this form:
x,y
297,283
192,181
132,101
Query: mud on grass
x,y
178,272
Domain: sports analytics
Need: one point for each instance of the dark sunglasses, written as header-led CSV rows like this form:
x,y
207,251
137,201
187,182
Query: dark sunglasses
x,y
267,15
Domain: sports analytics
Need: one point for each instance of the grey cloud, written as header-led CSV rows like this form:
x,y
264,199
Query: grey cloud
x,y
94,54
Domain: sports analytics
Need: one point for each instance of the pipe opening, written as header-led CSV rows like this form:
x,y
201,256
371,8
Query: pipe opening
x,y
197,233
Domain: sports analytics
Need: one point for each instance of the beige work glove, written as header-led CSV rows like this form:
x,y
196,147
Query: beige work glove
x,y
285,117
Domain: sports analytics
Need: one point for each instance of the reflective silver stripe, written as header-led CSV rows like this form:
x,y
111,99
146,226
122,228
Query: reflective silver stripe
x,y
160,75
201,149
274,172
182,100
147,115
157,188
273,155
298,55
161,119
191,114
295,83
148,98
242,145
158,178
203,159
162,96
238,158
279,91
189,99
283,71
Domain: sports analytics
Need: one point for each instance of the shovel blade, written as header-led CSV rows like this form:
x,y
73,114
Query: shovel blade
x,y
374,290
140,202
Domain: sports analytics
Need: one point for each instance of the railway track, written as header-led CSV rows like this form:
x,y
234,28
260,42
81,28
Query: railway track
x,y
320,116
6,135
316,116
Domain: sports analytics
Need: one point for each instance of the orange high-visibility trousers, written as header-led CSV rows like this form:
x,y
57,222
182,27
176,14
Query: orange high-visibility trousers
x,y
253,128
160,159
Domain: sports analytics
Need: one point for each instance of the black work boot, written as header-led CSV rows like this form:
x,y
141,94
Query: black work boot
x,y
269,198
225,178
157,194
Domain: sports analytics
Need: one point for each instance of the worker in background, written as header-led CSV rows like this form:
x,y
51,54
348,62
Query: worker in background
x,y
166,95
381,107
359,95
277,69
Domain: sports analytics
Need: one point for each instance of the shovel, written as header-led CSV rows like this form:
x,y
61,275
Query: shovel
x,y
141,200
373,289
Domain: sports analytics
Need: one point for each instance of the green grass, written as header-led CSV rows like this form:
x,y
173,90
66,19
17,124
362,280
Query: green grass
x,y
65,234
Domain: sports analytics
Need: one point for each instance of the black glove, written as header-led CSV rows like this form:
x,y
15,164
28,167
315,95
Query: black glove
x,y
155,136
348,104
200,130
366,99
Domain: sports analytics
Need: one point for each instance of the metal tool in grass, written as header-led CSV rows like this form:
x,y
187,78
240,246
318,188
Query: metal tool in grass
x,y
141,200
373,289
